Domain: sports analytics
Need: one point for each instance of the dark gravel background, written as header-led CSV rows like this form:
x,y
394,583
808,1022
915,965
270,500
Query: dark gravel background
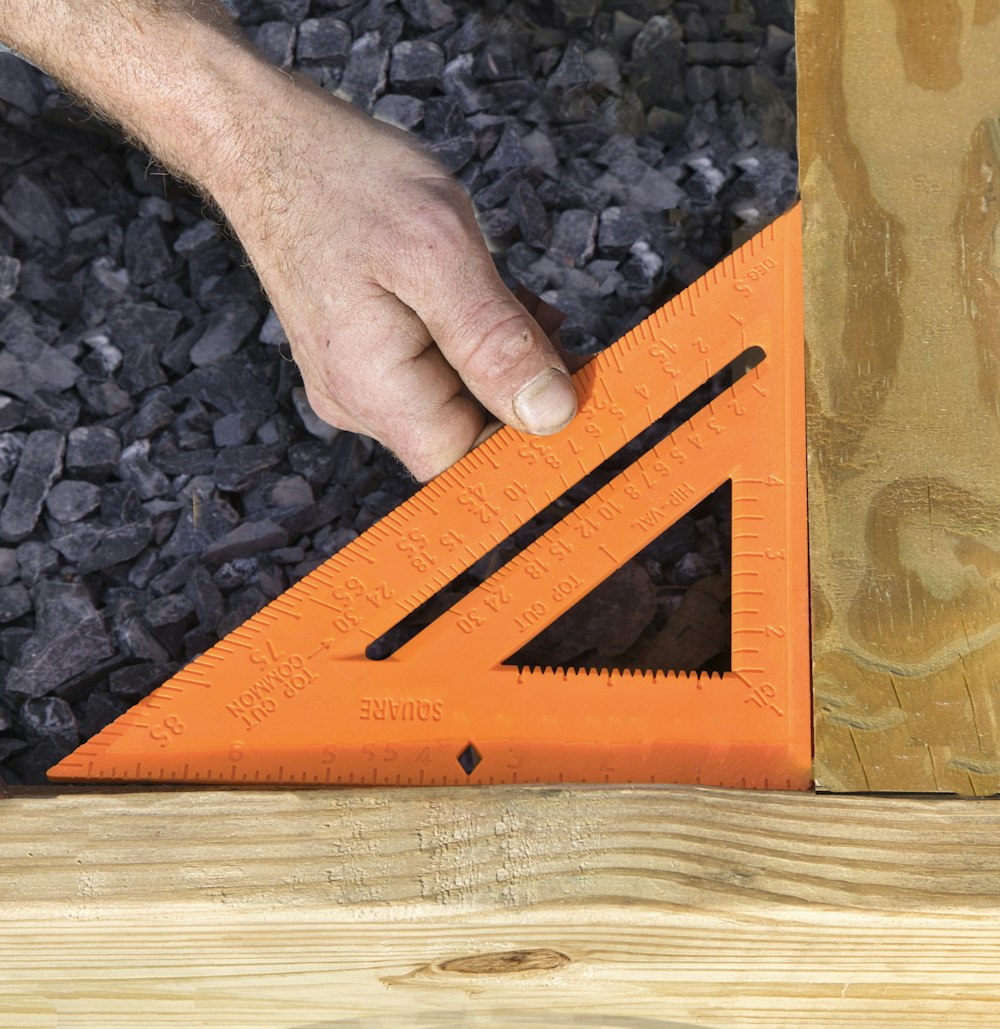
x,y
161,477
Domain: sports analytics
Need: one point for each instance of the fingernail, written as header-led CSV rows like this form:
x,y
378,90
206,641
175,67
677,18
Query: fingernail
x,y
547,403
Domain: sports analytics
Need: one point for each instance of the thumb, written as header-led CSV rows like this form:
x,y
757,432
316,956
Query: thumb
x,y
506,359
499,351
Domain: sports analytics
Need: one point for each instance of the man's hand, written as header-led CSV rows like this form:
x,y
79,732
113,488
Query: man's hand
x,y
379,274
367,249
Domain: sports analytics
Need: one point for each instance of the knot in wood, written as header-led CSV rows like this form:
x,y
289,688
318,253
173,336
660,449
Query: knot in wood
x,y
503,962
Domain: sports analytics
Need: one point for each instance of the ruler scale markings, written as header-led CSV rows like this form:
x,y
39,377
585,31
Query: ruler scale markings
x,y
672,453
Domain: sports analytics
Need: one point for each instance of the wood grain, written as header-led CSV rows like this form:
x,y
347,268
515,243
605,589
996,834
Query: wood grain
x,y
505,906
900,172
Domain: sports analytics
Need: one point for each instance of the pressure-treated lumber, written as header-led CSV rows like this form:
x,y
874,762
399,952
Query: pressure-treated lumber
x,y
900,148
506,906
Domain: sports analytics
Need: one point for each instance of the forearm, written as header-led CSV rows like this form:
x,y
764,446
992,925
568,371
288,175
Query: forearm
x,y
173,73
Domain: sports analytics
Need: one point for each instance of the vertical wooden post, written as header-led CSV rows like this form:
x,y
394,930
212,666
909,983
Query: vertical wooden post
x,y
900,154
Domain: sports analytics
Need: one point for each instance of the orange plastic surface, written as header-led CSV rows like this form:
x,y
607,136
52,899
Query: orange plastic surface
x,y
290,698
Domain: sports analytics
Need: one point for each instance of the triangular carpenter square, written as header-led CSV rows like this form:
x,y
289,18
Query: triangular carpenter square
x,y
291,698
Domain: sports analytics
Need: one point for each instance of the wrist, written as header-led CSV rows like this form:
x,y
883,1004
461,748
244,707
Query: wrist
x,y
201,101
278,139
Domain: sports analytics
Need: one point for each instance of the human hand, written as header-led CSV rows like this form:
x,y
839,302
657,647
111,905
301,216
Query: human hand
x,y
367,248
372,259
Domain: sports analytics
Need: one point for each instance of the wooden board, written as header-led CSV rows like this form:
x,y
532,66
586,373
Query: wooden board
x,y
640,908
900,169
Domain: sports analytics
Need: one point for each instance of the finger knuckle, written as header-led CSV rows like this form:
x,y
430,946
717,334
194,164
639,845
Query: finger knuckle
x,y
441,226
449,193
432,437
326,408
508,343
444,236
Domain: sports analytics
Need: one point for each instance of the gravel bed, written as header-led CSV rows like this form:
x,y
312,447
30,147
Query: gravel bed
x,y
161,476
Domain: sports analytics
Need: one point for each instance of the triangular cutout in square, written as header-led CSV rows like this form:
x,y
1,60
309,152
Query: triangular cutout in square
x,y
668,609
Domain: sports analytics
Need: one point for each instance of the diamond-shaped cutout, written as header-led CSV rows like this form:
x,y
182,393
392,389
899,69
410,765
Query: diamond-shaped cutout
x,y
469,759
